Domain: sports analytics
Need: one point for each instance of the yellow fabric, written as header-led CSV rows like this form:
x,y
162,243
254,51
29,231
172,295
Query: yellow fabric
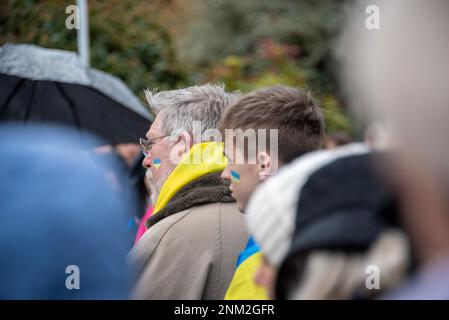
x,y
242,286
203,158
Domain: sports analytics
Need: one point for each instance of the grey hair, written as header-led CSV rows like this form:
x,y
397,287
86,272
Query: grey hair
x,y
180,108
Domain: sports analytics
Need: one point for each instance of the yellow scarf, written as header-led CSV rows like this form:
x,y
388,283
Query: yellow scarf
x,y
203,158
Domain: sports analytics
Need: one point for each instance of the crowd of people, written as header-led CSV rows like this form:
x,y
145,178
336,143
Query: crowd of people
x,y
243,196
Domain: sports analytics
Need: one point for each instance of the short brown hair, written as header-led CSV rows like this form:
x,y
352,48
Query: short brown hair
x,y
292,111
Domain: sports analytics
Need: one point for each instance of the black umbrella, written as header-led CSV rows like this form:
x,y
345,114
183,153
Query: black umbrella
x,y
52,86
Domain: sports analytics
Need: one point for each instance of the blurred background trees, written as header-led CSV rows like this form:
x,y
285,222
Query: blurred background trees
x,y
124,39
246,44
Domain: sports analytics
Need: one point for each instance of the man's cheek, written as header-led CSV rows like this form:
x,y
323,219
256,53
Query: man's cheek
x,y
156,163
235,177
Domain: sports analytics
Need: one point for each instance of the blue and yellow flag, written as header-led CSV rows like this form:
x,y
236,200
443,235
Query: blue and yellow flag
x,y
243,286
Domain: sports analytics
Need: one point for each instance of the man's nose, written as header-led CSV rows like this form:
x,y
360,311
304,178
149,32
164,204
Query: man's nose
x,y
146,163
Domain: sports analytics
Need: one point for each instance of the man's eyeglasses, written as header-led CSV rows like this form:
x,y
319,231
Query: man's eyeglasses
x,y
146,145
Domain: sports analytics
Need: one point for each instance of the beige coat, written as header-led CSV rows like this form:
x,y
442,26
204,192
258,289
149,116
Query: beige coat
x,y
190,254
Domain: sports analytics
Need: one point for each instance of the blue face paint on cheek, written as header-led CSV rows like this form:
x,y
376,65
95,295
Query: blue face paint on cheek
x,y
156,163
235,177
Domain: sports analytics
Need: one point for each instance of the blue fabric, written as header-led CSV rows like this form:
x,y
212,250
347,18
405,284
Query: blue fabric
x,y
250,249
60,205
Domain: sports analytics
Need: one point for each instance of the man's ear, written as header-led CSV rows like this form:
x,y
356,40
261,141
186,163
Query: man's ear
x,y
181,144
264,165
185,141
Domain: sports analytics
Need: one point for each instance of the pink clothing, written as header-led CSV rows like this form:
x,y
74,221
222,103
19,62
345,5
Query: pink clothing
x,y
142,227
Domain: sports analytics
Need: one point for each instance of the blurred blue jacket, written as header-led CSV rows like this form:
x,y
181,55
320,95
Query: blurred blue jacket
x,y
60,205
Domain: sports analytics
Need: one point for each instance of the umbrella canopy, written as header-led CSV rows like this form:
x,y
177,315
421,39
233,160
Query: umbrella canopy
x,y
48,85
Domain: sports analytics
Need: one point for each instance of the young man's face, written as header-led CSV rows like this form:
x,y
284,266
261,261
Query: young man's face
x,y
243,178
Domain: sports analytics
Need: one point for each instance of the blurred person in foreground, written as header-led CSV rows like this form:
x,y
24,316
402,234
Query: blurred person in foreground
x,y
335,219
196,231
286,123
131,167
398,75
61,217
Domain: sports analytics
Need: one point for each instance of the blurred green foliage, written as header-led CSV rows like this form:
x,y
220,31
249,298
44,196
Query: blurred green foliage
x,y
245,44
235,27
123,39
254,43
274,64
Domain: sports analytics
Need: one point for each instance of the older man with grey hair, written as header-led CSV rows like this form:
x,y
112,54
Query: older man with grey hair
x,y
196,231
